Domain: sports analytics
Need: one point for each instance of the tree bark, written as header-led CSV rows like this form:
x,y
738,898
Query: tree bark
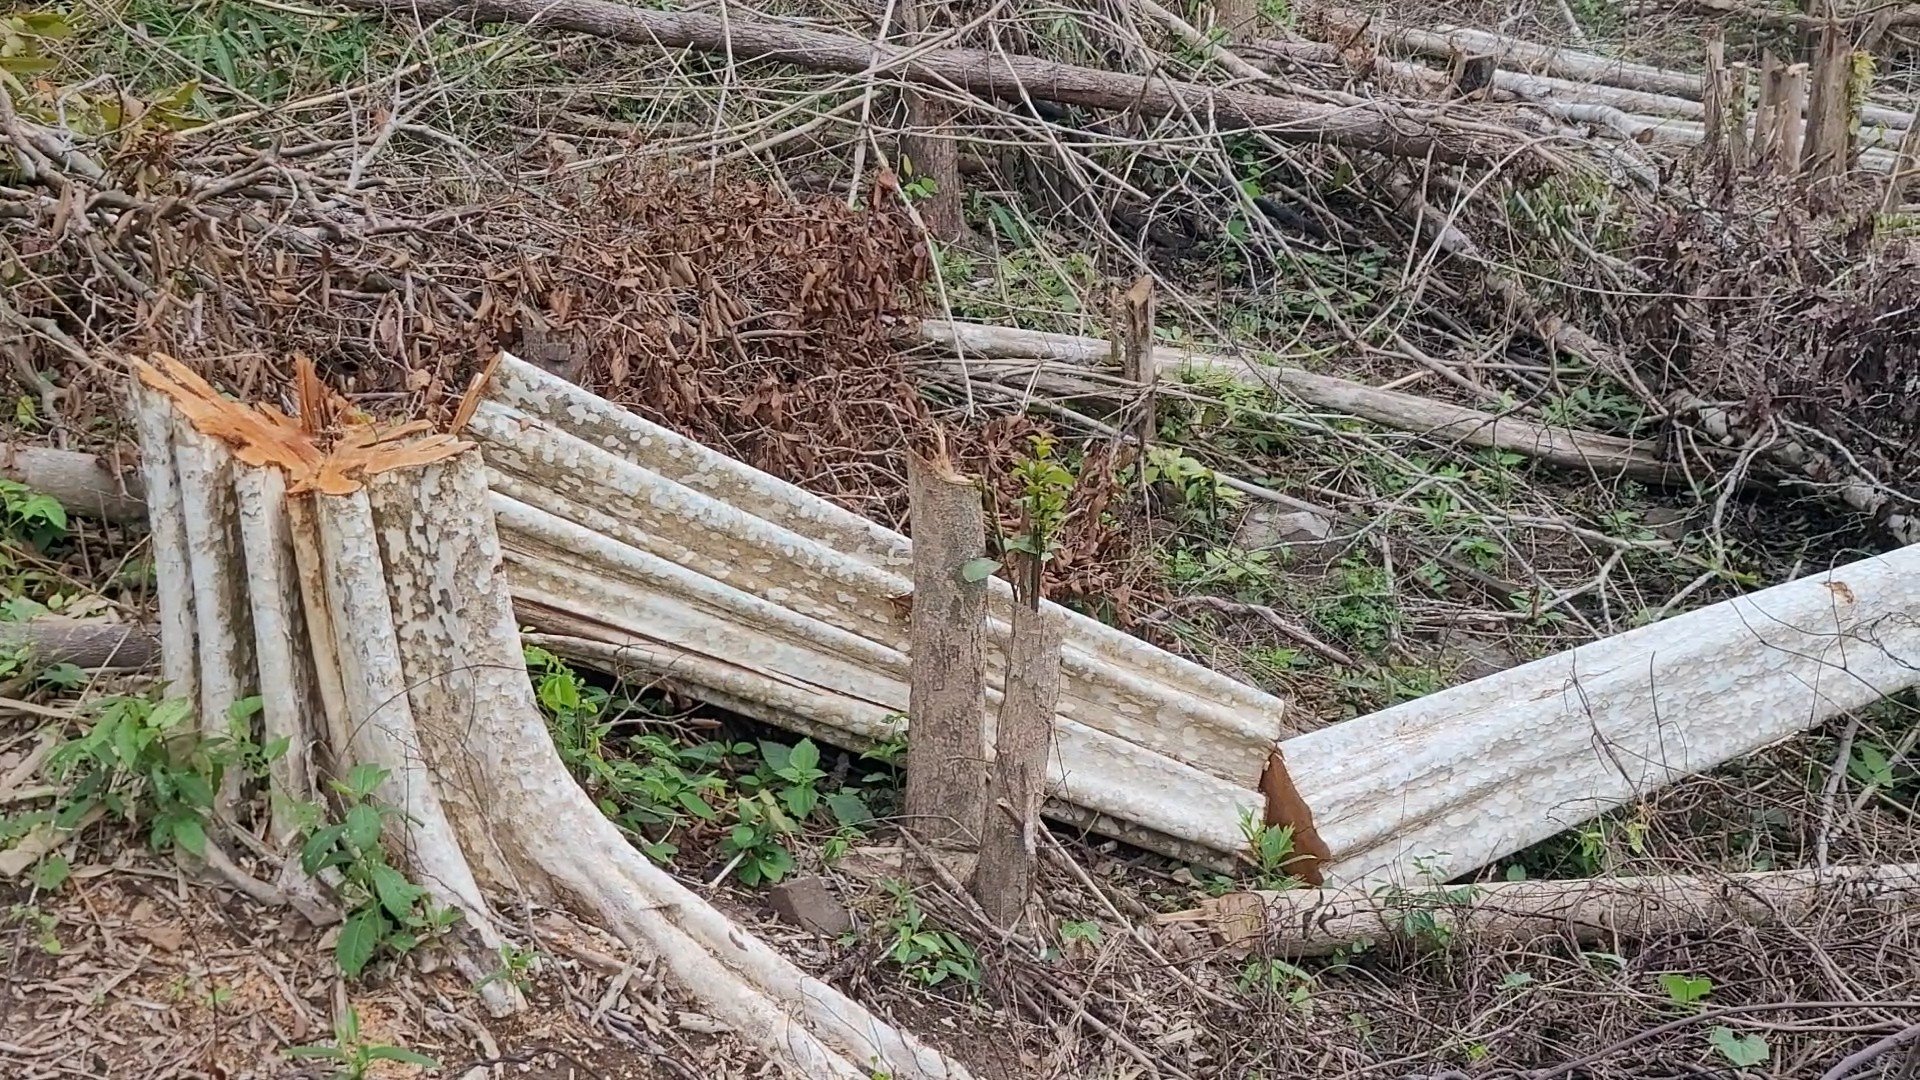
x,y
946,699
1133,321
1376,126
99,646
167,533
1829,138
929,149
1316,922
83,483
1023,738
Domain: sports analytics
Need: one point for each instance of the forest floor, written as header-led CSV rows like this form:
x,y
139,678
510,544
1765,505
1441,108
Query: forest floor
x,y
1342,565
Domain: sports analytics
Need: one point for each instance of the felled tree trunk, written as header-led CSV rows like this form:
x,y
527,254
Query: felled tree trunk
x,y
101,646
1375,126
83,483
1316,922
382,560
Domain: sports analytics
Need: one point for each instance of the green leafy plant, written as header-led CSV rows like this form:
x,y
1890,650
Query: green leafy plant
x,y
1361,607
139,763
1073,931
1870,766
386,914
927,956
1741,1051
793,774
1686,991
646,783
516,967
355,1056
1271,849
754,841
1272,977
37,518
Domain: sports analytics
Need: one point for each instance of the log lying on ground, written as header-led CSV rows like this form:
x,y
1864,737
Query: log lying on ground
x,y
686,564
416,658
83,643
1591,911
1571,68
1439,786
1377,126
1600,454
82,483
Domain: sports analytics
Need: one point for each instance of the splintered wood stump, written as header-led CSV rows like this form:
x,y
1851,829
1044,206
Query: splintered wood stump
x,y
383,633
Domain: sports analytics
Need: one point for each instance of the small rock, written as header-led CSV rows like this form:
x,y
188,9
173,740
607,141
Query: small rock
x,y
807,903
1265,528
1667,522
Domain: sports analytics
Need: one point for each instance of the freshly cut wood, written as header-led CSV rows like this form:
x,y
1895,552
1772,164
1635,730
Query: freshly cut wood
x,y
83,483
167,538
83,643
1439,786
947,681
419,669
288,686
1003,76
1601,454
1023,737
1590,911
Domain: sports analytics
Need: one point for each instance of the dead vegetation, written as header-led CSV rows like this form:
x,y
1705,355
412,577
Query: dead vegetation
x,y
712,224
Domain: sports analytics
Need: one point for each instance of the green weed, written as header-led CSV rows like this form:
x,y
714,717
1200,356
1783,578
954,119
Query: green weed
x,y
928,956
387,915
1360,608
353,1055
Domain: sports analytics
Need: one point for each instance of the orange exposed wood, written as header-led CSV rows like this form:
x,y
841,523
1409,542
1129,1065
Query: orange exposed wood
x,y
263,435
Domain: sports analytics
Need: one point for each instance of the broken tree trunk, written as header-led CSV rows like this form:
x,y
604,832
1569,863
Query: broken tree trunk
x,y
419,670
1829,129
1377,126
1023,737
649,552
1590,911
1133,353
82,483
946,705
1603,455
1454,780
